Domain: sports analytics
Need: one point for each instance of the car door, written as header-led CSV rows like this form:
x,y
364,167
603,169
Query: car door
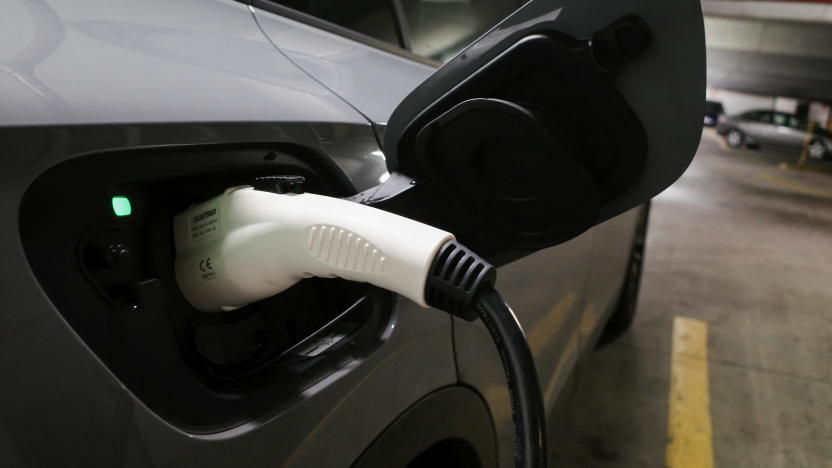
x,y
758,126
611,249
790,131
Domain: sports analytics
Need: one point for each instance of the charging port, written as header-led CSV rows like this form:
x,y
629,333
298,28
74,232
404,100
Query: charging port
x,y
110,274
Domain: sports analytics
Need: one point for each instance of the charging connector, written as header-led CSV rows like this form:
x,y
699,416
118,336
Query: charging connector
x,y
250,243
246,245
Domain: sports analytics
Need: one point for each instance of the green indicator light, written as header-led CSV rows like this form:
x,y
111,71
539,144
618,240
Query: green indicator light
x,y
121,206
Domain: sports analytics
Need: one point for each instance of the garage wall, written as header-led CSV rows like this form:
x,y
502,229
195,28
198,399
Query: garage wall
x,y
736,102
768,57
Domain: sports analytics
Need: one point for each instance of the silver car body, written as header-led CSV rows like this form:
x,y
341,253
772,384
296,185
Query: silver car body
x,y
774,129
92,76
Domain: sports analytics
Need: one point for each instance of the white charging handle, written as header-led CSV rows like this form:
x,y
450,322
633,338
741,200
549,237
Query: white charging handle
x,y
246,245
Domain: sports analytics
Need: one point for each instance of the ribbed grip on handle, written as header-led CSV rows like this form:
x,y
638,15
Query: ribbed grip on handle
x,y
455,277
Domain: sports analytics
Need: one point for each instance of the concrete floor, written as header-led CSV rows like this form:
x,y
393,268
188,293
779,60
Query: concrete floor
x,y
746,247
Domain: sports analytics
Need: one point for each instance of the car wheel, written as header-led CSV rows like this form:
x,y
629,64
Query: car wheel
x,y
625,310
816,150
735,138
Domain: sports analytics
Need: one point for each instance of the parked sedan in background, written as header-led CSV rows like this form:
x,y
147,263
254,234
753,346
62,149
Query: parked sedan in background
x,y
757,128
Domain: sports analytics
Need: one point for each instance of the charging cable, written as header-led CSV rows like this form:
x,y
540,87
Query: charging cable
x,y
250,243
462,283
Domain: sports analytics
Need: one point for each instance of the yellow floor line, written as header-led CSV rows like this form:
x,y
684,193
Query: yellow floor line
x,y
811,166
689,416
795,186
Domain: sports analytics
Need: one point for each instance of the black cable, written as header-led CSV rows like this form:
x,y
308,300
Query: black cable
x,y
523,385
461,283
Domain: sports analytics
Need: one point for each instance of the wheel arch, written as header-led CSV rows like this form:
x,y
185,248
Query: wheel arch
x,y
451,426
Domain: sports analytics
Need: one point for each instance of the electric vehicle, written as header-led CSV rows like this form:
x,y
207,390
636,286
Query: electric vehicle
x,y
481,119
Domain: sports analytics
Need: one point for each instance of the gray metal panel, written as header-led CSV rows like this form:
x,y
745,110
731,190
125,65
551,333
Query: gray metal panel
x,y
371,79
790,137
156,61
90,61
611,247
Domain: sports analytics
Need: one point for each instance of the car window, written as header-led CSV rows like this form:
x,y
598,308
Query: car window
x,y
439,29
764,117
781,119
751,115
374,18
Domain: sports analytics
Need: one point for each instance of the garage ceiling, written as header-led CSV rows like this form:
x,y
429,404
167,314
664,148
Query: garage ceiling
x,y
756,50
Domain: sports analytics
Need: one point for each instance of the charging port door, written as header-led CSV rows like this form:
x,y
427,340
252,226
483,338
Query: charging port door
x,y
564,115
